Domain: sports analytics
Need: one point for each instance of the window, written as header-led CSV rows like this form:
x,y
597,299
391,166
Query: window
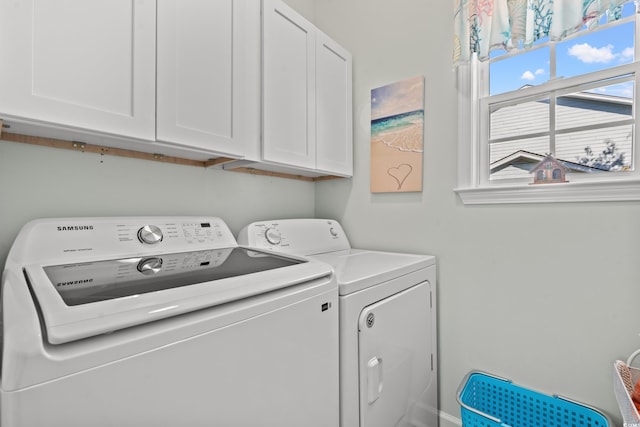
x,y
574,99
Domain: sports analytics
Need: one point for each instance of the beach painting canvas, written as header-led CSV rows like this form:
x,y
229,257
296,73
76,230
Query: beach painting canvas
x,y
397,122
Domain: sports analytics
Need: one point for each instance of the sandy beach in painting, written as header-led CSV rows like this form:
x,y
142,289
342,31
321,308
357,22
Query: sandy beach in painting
x,y
396,153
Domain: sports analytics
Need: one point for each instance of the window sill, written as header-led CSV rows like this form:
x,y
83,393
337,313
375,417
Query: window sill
x,y
609,191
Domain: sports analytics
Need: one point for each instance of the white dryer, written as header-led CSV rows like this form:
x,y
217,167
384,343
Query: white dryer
x,y
163,321
388,339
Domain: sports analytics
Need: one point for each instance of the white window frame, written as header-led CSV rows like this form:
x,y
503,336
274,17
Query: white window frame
x,y
473,184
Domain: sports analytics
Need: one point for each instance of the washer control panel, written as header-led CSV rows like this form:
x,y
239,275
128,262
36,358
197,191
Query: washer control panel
x,y
295,236
103,237
172,232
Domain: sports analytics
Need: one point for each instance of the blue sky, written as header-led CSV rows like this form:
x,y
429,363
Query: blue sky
x,y
591,52
396,98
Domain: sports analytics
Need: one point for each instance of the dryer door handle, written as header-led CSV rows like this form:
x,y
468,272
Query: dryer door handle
x,y
375,380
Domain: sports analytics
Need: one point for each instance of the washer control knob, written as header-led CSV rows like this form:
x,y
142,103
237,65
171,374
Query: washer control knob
x,y
150,234
273,236
149,266
333,232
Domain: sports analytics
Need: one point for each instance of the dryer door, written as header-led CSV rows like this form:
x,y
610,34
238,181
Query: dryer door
x,y
395,357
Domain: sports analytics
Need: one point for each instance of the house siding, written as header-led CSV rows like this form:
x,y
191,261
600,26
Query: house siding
x,y
530,117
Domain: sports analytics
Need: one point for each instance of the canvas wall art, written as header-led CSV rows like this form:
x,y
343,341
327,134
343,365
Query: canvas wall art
x,y
397,123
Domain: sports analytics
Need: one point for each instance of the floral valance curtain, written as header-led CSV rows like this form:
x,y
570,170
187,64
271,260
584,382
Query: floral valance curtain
x,y
481,26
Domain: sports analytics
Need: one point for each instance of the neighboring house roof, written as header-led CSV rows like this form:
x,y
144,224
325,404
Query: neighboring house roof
x,y
527,160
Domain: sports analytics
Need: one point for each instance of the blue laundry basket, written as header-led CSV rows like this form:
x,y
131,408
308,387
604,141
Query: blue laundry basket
x,y
489,401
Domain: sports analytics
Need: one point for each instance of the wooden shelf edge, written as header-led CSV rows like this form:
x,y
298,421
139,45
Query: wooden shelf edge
x,y
328,178
157,157
219,161
254,171
97,149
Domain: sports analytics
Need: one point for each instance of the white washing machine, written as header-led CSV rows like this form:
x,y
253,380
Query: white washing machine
x,y
163,321
388,355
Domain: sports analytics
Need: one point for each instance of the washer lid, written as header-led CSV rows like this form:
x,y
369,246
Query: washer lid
x,y
84,299
357,269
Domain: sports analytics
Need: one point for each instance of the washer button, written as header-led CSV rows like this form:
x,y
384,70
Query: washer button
x,y
150,234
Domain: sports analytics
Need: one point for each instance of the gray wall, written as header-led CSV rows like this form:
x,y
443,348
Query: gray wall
x,y
547,295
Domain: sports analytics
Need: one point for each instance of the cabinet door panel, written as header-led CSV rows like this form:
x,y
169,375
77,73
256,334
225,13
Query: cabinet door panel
x,y
334,143
82,63
204,66
208,74
289,87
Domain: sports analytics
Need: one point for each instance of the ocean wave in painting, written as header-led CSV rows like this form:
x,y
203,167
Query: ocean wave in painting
x,y
402,132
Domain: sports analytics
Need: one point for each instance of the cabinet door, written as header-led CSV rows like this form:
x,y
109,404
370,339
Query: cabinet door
x,y
80,63
209,74
334,137
288,87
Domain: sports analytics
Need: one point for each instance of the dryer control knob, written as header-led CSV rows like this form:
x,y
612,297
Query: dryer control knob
x,y
150,266
273,236
150,234
333,232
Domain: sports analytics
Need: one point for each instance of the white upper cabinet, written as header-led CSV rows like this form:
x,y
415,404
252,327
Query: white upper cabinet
x,y
334,130
200,78
208,77
306,116
288,116
87,64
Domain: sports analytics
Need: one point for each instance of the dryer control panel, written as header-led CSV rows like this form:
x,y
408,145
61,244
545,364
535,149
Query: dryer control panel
x,y
304,236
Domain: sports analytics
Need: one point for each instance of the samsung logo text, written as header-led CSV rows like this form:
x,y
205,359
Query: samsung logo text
x,y
75,227
74,282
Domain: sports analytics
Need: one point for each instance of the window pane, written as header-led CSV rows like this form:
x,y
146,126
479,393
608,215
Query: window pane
x,y
606,149
584,117
596,50
514,159
521,119
529,68
604,104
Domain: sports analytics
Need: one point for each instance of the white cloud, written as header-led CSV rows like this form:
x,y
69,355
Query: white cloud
x,y
528,75
627,54
539,72
589,54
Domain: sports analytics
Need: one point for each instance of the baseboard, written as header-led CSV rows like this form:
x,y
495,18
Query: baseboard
x,y
448,420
